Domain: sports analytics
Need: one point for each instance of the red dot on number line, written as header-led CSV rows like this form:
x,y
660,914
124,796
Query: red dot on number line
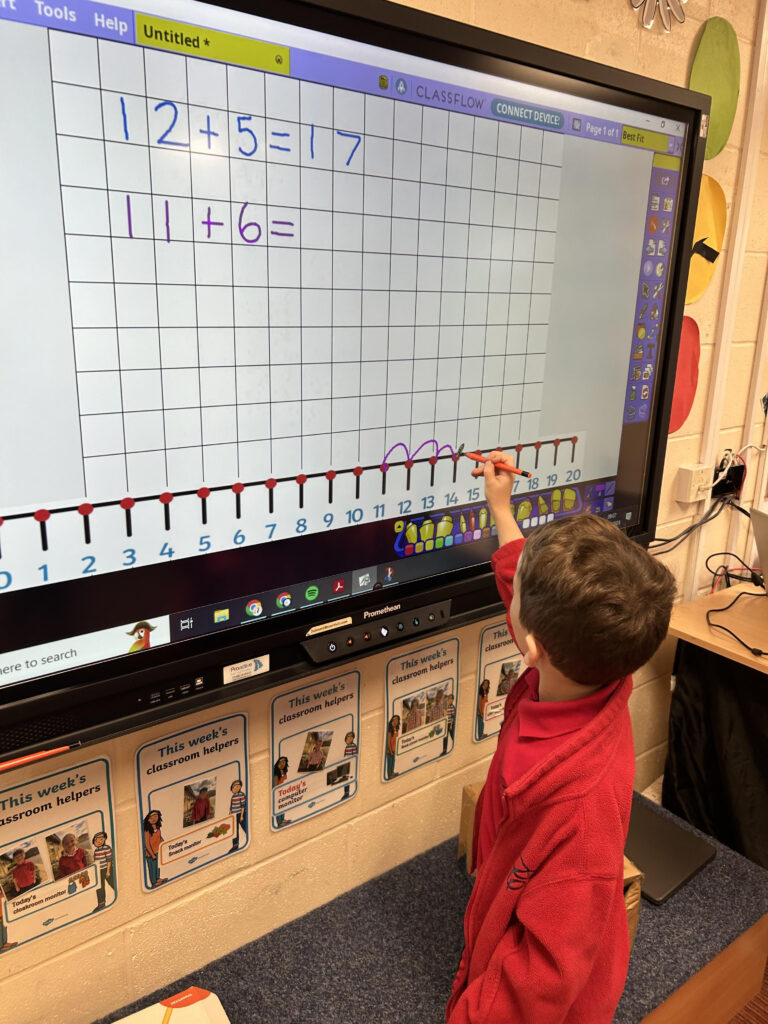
x,y
204,492
238,488
383,467
433,460
41,515
331,474
127,504
1,520
518,448
358,471
301,479
556,442
85,509
537,445
271,483
409,463
574,439
166,497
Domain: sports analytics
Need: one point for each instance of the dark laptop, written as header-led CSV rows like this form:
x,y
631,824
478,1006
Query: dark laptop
x,y
667,854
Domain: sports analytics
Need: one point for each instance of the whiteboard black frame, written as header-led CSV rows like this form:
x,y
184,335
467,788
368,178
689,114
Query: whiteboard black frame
x,y
94,701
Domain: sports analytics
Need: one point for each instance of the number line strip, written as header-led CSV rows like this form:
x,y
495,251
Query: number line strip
x,y
272,482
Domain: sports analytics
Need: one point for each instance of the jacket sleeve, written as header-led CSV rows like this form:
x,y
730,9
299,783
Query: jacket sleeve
x,y
546,956
504,563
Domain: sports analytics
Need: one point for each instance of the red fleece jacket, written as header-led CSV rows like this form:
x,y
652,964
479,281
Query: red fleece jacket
x,y
545,931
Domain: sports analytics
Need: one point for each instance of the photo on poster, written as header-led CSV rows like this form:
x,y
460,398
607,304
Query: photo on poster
x,y
193,799
315,752
499,666
64,871
422,690
314,763
199,801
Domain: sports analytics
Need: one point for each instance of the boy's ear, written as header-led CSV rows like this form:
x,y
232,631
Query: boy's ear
x,y
534,651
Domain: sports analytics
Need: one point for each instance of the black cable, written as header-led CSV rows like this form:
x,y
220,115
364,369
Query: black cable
x,y
755,575
738,507
709,514
663,550
717,625
730,554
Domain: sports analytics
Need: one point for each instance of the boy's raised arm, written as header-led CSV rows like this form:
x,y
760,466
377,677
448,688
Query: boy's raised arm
x,y
498,491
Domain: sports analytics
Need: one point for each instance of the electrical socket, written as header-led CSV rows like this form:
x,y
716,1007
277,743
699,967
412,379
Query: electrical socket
x,y
694,481
730,484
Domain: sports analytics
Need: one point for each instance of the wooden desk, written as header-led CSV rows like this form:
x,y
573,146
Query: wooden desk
x,y
717,992
748,619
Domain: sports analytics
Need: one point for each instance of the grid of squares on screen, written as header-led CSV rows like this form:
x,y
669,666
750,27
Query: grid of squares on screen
x,y
296,275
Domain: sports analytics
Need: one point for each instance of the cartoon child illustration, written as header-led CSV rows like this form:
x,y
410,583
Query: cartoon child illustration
x,y
315,757
141,631
350,748
482,700
201,809
73,857
4,943
279,775
102,858
393,730
450,714
24,872
238,805
152,841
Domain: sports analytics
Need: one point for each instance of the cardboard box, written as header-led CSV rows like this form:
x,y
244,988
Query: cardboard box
x,y
192,1006
632,876
468,803
633,882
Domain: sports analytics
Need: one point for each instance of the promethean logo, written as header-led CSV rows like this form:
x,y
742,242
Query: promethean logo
x,y
382,611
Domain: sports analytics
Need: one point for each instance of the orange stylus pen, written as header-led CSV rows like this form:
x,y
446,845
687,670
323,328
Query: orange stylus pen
x,y
506,466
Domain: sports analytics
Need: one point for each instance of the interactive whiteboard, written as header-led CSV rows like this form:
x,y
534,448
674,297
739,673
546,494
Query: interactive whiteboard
x,y
260,285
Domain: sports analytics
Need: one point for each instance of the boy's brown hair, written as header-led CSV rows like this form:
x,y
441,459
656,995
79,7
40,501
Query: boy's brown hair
x,y
597,602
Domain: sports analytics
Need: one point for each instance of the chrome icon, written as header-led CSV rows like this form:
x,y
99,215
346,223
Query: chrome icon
x,y
283,600
254,608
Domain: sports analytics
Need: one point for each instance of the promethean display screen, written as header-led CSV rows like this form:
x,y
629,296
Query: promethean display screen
x,y
263,279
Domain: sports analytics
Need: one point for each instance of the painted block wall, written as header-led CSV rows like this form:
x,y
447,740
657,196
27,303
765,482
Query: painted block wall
x,y
148,940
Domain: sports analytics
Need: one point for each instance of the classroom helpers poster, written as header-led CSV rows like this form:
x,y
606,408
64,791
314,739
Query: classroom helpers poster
x,y
193,799
500,664
315,732
422,696
57,852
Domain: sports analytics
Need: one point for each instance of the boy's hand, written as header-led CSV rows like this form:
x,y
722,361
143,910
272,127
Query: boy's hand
x,y
498,483
498,491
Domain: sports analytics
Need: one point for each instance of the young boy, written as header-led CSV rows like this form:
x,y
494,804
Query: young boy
x,y
24,872
545,929
73,857
201,808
